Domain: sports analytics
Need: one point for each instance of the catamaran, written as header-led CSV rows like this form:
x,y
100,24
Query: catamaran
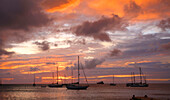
x,y
77,86
140,84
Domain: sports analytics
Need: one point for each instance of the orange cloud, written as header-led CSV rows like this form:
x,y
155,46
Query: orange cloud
x,y
12,62
34,62
144,61
147,9
20,66
60,77
159,79
34,72
116,76
7,79
91,77
60,5
108,7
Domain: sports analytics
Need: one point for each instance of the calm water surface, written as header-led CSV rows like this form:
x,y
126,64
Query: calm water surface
x,y
94,92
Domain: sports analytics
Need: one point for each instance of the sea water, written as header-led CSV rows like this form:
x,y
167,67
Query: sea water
x,y
94,92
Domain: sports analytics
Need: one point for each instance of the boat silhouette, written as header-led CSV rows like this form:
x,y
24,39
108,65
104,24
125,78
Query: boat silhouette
x,y
140,84
113,84
101,82
34,81
77,86
55,85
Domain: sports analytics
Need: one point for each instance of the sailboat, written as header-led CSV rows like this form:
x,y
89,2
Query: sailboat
x,y
140,84
34,81
55,84
72,82
0,82
101,82
113,84
77,86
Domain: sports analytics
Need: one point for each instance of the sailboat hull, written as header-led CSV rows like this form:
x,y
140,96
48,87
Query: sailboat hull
x,y
134,84
101,82
137,85
55,85
76,87
112,84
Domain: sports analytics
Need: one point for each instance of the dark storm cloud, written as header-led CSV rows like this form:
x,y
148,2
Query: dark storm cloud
x,y
115,52
76,41
132,9
164,24
145,45
55,45
146,48
97,28
18,18
4,52
34,69
49,63
21,14
45,45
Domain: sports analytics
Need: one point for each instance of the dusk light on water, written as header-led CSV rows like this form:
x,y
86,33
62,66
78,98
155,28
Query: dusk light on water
x,y
84,49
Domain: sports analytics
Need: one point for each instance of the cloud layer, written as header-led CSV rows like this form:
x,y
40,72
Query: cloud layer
x,y
139,10
17,20
59,5
90,64
97,29
45,45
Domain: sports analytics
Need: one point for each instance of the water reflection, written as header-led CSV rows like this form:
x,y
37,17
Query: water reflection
x,y
95,92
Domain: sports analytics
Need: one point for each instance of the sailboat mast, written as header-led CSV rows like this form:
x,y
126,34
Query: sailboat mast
x,y
72,73
0,81
78,70
57,74
140,75
113,78
34,78
144,77
134,77
53,76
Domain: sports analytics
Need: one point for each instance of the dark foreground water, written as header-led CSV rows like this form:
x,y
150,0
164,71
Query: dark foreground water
x,y
94,92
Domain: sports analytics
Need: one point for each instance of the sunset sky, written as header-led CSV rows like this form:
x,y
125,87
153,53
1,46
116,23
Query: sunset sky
x,y
110,36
